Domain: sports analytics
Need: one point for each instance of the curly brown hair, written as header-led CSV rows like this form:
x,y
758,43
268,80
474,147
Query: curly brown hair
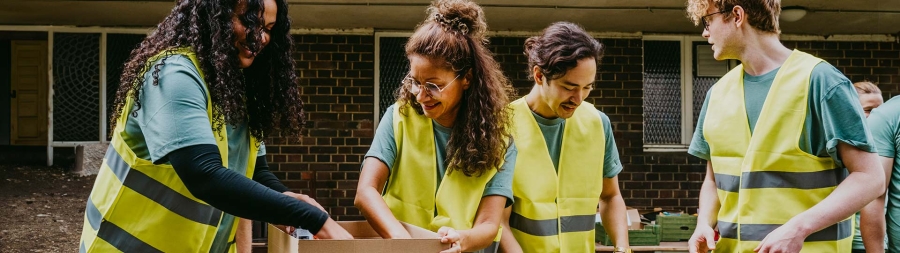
x,y
761,14
264,95
455,31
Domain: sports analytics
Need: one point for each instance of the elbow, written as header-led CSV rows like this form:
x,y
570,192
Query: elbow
x,y
201,191
611,197
359,201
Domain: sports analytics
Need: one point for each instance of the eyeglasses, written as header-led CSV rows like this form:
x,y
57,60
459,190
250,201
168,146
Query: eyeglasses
x,y
707,16
433,89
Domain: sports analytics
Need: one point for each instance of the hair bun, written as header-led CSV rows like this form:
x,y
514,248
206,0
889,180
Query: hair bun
x,y
462,16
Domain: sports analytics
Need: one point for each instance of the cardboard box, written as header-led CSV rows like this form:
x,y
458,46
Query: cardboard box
x,y
365,240
634,219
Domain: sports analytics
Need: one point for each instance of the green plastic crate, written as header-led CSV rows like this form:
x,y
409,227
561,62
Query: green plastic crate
x,y
676,228
649,236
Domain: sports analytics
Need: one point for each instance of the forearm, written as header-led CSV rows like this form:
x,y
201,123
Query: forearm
x,y
851,195
378,214
479,237
708,211
862,186
200,168
244,236
872,225
264,176
487,224
508,243
612,212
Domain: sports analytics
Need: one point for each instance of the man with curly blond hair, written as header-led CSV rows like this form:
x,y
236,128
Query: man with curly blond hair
x,y
777,172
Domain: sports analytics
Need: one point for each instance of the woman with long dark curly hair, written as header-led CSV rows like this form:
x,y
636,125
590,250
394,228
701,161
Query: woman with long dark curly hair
x,y
198,96
442,155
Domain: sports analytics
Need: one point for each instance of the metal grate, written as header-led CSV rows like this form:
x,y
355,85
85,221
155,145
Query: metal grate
x,y
118,50
701,86
662,92
76,85
393,67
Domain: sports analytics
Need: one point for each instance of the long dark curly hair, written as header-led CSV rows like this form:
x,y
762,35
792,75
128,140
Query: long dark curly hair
x,y
454,31
264,95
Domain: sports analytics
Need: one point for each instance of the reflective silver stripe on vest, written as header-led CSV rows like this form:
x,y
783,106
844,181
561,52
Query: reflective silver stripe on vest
x,y
577,223
162,194
81,248
548,227
729,183
796,180
781,179
113,234
493,248
758,232
122,240
93,215
111,158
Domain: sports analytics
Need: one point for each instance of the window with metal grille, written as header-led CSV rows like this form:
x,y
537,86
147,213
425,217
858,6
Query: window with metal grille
x,y
678,71
392,67
662,92
76,87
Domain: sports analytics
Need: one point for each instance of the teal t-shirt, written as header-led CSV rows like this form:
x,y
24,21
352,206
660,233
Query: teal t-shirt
x,y
173,116
885,124
552,129
834,114
384,148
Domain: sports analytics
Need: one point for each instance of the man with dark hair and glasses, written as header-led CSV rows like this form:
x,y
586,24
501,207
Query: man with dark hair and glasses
x,y
780,133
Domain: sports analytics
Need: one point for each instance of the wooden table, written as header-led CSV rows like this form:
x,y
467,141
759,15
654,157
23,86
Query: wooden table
x,y
663,247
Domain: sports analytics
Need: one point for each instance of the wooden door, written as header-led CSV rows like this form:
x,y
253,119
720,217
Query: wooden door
x,y
28,93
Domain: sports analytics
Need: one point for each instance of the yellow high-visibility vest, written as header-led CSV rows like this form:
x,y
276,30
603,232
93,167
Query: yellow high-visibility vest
x,y
138,206
765,179
414,172
555,211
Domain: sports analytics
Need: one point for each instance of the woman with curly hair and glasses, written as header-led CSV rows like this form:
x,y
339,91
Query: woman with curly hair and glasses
x,y
442,157
186,157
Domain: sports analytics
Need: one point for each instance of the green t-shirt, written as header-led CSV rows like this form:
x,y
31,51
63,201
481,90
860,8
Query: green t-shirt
x,y
552,129
885,124
173,116
834,114
384,148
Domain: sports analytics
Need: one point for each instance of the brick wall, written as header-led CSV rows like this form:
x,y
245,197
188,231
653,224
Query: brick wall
x,y
337,79
337,73
874,61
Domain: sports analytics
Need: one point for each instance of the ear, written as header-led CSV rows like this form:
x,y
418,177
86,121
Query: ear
x,y
466,78
537,75
740,17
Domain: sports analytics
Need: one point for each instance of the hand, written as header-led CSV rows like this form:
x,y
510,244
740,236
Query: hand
x,y
703,240
331,230
784,239
285,229
305,198
449,235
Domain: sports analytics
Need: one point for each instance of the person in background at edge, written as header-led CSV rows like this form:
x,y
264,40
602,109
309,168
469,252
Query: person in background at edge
x,y
872,217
